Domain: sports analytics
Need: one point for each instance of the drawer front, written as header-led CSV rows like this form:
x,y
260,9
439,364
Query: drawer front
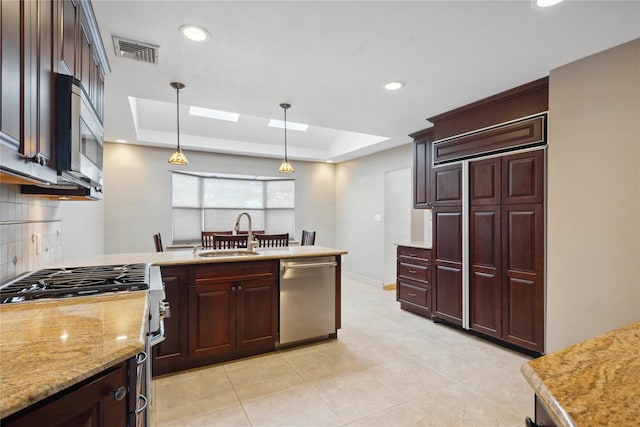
x,y
409,252
414,271
414,294
225,272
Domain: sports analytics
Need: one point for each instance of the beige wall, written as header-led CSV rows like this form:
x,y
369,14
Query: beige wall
x,y
360,197
593,213
138,193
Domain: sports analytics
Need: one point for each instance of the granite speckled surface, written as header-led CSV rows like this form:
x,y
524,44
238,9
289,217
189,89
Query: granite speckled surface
x,y
47,346
592,383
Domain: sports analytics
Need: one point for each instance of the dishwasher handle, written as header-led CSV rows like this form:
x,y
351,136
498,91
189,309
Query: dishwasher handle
x,y
309,265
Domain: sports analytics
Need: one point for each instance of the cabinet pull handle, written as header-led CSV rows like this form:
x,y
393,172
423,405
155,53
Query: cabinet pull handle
x,y
119,393
412,294
144,403
141,358
233,289
412,254
239,288
412,271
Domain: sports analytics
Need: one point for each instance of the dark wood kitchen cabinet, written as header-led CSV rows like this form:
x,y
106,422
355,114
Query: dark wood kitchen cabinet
x,y
172,354
233,310
446,185
413,282
447,264
40,38
26,128
98,401
422,197
506,287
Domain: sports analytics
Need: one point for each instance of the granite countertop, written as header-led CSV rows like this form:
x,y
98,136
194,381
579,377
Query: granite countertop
x,y
184,257
595,382
49,345
416,244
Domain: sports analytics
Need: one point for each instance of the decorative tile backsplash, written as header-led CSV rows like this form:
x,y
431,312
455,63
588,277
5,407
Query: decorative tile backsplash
x,y
29,232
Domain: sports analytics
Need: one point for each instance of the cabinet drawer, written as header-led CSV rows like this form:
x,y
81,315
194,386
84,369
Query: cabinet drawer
x,y
410,252
226,272
414,271
414,294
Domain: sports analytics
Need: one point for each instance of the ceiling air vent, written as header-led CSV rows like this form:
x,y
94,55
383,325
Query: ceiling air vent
x,y
136,50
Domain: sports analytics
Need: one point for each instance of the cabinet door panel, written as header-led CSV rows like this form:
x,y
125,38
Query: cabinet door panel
x,y
447,275
422,174
485,284
172,353
485,186
523,177
447,185
66,43
257,310
11,70
91,404
211,320
45,76
523,281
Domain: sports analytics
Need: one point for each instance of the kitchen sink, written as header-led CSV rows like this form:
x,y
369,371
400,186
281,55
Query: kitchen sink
x,y
227,253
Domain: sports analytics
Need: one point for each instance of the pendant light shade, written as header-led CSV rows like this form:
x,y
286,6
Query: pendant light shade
x,y
178,157
285,166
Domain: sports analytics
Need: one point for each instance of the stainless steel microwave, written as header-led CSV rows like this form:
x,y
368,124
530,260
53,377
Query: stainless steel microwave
x,y
79,143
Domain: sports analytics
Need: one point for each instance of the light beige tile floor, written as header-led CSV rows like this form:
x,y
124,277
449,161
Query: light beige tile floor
x,y
388,367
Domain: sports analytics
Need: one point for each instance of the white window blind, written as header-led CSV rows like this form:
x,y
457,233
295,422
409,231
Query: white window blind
x,y
202,202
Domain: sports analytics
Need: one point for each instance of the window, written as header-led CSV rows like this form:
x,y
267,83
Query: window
x,y
206,202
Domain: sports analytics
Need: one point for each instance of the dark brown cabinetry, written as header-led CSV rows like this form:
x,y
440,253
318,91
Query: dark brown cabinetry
x,y
26,82
172,354
39,39
219,312
447,264
413,283
422,197
98,401
446,185
506,290
234,310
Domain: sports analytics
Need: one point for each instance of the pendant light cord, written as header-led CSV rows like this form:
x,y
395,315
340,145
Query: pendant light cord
x,y
285,135
178,114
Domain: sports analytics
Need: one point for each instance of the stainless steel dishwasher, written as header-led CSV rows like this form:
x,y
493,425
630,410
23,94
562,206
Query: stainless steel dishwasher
x,y
307,298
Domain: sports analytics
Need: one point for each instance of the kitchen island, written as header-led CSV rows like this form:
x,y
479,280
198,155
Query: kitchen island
x,y
595,382
65,341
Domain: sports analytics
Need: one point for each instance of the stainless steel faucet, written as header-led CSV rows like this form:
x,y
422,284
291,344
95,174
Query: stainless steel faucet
x,y
236,228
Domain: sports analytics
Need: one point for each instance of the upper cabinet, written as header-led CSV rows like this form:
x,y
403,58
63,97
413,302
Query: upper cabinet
x,y
422,168
41,38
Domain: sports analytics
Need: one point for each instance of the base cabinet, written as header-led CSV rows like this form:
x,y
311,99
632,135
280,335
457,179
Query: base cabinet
x,y
413,282
172,354
219,312
99,401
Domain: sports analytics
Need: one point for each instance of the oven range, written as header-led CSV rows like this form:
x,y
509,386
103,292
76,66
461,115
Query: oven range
x,y
56,283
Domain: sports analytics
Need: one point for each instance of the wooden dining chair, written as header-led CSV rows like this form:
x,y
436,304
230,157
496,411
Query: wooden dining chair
x,y
308,238
157,240
226,241
272,240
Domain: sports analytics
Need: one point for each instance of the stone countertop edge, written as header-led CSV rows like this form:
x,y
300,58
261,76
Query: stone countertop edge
x,y
561,418
593,382
187,257
416,244
64,342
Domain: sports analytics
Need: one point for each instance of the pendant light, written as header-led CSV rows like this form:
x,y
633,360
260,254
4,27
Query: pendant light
x,y
178,157
285,166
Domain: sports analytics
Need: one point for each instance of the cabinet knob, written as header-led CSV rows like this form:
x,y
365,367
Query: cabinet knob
x,y
233,289
239,288
119,393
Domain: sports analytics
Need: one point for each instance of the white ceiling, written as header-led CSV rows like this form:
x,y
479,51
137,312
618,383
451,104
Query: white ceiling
x,y
330,60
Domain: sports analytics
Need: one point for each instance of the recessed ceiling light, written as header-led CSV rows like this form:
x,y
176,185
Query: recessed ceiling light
x,y
395,85
197,34
121,141
329,161
214,114
290,125
546,3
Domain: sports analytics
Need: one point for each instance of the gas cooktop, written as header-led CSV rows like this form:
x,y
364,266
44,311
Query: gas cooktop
x,y
77,281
